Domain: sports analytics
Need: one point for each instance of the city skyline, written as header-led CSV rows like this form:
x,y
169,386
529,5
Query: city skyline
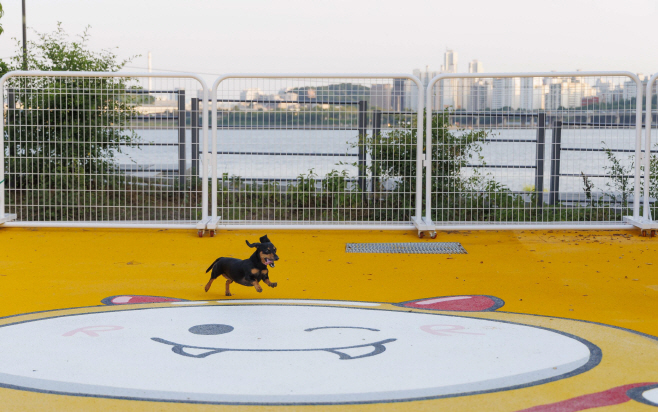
x,y
330,37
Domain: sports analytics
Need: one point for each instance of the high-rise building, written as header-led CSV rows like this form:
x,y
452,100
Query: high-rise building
x,y
449,93
380,96
448,90
397,95
506,93
473,98
475,67
449,62
479,95
532,93
411,91
567,93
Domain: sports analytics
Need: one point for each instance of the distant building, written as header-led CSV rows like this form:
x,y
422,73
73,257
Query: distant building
x,y
475,67
289,99
411,91
472,98
381,96
531,96
449,62
605,90
306,93
397,95
589,101
506,93
250,94
567,93
630,87
479,95
449,93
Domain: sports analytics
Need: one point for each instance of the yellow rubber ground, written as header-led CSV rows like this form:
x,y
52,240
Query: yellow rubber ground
x,y
608,277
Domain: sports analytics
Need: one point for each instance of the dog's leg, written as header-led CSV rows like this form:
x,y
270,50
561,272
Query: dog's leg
x,y
228,282
209,283
268,283
263,274
257,286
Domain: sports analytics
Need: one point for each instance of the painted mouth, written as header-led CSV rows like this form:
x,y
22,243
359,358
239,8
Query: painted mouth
x,y
344,353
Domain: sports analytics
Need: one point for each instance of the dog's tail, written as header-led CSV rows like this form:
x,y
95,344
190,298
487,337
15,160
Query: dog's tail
x,y
213,264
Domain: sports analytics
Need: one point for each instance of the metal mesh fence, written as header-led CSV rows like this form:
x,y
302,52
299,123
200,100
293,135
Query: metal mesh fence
x,y
328,150
104,148
651,144
317,150
555,148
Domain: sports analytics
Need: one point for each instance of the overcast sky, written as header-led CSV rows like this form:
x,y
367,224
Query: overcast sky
x,y
350,36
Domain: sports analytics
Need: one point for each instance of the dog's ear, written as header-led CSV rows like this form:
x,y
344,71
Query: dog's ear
x,y
264,239
252,244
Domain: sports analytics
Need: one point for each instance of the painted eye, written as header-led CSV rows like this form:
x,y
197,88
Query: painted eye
x,y
211,329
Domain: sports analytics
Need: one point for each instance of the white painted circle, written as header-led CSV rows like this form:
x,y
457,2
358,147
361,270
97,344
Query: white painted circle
x,y
280,354
651,395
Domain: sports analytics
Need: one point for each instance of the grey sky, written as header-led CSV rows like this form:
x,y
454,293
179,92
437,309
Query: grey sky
x,y
350,36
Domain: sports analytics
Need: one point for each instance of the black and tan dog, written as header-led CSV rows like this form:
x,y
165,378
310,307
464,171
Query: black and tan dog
x,y
248,272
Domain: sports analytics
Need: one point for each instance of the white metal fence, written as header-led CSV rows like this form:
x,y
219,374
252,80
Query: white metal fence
x,y
326,151
94,149
650,162
515,150
533,149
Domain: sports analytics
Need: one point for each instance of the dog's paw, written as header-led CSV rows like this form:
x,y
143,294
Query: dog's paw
x,y
259,289
228,294
273,285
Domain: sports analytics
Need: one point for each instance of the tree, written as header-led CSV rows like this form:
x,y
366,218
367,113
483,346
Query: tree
x,y
394,161
3,66
63,132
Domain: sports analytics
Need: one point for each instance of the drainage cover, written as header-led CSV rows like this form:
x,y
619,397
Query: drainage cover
x,y
426,248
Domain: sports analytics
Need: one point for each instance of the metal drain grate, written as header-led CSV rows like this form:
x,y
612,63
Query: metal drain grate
x,y
421,248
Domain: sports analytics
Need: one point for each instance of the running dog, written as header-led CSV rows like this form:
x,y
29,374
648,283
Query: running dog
x,y
248,272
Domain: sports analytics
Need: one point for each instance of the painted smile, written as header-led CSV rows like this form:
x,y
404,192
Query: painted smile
x,y
344,353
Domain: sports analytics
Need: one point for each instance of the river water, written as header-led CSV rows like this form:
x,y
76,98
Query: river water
x,y
285,154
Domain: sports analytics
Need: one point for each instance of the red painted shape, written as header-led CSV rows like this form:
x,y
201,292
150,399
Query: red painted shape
x,y
91,330
459,303
130,300
446,330
610,397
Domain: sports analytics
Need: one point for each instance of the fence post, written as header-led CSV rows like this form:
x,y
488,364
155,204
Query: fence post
x,y
11,117
539,160
554,195
194,126
376,130
181,138
362,123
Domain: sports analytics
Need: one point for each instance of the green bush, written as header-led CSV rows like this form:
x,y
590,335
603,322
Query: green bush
x,y
62,137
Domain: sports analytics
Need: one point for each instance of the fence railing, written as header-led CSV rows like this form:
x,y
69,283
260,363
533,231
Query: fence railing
x,y
466,151
533,149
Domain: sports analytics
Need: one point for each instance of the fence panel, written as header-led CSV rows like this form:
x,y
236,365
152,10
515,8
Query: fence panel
x,y
651,162
533,150
320,151
104,149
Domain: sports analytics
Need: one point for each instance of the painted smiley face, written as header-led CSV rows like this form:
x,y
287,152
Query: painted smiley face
x,y
344,352
282,354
